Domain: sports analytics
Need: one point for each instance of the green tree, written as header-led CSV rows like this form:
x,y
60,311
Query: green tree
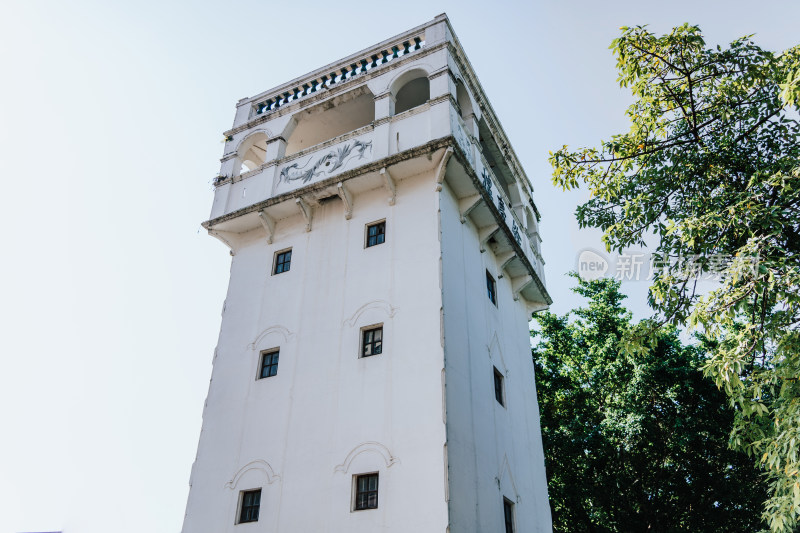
x,y
635,441
709,171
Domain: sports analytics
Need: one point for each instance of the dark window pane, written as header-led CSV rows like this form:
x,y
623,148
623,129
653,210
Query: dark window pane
x,y
376,234
498,386
372,342
269,364
251,501
283,261
491,288
366,492
509,516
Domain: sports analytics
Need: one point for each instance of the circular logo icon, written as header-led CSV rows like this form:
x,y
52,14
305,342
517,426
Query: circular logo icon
x,y
591,265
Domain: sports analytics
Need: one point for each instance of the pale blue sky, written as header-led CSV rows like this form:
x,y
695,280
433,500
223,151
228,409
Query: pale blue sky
x,y
111,117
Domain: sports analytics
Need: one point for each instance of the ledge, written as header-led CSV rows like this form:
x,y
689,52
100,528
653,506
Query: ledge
x,y
374,166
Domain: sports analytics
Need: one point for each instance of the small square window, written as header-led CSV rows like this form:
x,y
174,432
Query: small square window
x,y
366,492
269,364
376,233
283,261
498,387
372,341
508,515
491,288
251,501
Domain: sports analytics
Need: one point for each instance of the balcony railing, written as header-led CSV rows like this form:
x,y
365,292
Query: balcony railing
x,y
491,185
347,72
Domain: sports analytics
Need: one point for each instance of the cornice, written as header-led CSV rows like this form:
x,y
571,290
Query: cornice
x,y
374,166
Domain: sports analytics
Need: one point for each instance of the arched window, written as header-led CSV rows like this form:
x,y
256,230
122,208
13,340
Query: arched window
x,y
464,101
252,152
410,90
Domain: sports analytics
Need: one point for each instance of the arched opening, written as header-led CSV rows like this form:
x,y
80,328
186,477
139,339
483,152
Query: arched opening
x,y
530,221
410,90
412,94
464,101
252,152
330,119
496,160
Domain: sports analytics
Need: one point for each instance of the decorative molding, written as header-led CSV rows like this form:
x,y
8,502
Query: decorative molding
x,y
484,234
422,108
519,283
278,329
390,185
256,131
347,200
441,170
371,446
306,210
269,224
375,304
327,163
222,239
503,260
466,205
494,348
506,468
375,166
392,84
253,465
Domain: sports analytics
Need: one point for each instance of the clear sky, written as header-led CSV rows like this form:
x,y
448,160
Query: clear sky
x,y
111,121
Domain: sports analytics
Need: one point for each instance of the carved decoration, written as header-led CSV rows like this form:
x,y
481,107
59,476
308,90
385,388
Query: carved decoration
x,y
328,163
373,447
253,465
375,304
347,200
505,470
279,330
496,354
442,168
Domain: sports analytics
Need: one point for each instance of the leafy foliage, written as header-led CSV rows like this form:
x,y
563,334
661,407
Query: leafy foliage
x,y
711,167
635,441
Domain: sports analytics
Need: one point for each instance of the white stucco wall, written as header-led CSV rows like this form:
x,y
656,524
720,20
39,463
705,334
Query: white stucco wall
x,y
494,451
327,415
446,455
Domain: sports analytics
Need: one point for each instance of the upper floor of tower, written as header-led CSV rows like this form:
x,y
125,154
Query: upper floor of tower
x,y
399,108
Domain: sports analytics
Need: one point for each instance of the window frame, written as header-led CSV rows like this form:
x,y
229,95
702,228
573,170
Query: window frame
x,y
491,288
357,492
499,381
263,355
240,515
375,224
509,522
275,262
363,341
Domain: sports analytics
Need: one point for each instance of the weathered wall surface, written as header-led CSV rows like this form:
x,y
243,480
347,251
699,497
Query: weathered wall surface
x,y
494,451
329,414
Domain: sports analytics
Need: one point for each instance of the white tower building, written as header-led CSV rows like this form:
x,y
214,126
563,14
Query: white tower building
x,y
373,371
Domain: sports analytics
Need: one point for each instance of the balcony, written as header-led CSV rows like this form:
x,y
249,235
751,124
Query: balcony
x,y
507,227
